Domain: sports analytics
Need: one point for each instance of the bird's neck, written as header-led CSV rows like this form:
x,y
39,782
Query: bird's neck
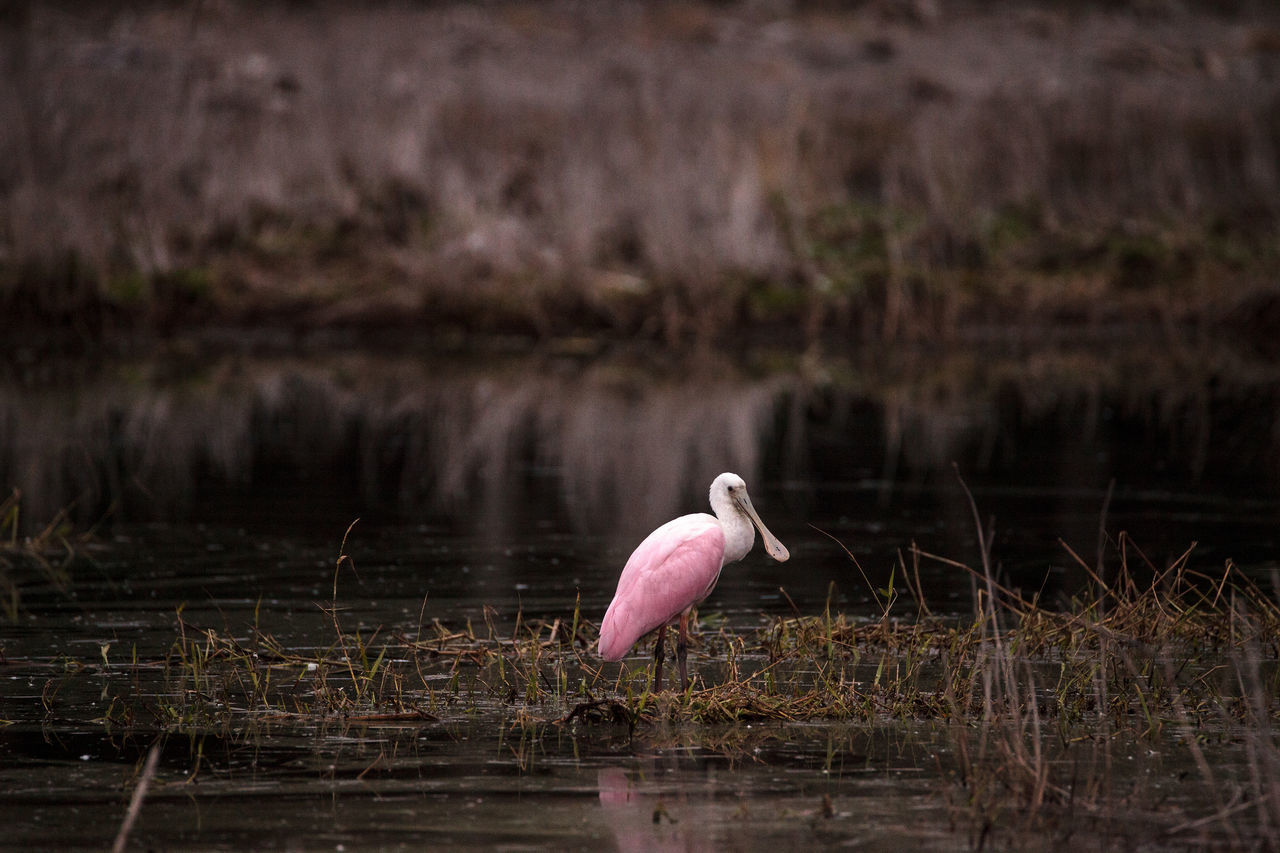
x,y
739,536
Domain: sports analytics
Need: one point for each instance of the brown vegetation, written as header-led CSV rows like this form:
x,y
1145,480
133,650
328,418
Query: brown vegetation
x,y
661,170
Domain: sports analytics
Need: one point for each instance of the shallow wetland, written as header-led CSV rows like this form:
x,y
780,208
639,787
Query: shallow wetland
x,y
425,676
346,353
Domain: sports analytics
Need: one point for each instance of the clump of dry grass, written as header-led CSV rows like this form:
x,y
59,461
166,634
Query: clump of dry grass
x,y
1148,656
45,557
214,679
1141,657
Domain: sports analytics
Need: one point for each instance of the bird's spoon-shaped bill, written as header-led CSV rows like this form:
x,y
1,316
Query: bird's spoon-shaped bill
x,y
772,546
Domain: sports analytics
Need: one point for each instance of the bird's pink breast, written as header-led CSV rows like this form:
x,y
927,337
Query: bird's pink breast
x,y
674,568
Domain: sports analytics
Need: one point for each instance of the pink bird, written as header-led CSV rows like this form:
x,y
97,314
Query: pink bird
x,y
676,567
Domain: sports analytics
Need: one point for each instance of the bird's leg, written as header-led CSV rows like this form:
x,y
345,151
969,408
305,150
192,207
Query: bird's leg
x,y
682,650
658,653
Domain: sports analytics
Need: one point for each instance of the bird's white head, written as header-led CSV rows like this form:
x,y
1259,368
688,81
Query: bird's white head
x,y
729,498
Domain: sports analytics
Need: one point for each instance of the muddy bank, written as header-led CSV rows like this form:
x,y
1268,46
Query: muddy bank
x,y
660,171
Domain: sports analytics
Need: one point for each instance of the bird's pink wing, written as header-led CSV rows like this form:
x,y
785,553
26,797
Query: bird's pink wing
x,y
673,569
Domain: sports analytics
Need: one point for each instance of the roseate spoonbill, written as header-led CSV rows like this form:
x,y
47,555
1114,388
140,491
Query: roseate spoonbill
x,y
676,567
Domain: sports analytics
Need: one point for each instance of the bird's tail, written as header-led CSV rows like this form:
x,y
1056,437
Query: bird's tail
x,y
615,640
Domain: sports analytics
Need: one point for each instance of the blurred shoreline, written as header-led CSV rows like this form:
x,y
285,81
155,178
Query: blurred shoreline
x,y
667,173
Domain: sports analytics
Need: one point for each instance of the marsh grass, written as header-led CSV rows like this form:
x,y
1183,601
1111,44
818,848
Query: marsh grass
x,y
1182,648
1033,703
45,557
220,680
214,679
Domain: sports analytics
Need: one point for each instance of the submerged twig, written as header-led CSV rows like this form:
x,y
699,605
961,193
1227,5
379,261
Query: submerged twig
x,y
135,802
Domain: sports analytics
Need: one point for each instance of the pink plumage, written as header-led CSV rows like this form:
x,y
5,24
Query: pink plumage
x,y
674,568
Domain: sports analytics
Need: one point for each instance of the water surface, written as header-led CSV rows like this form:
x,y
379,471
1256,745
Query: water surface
x,y
488,494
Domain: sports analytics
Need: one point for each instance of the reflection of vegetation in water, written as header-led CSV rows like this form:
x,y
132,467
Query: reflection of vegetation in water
x,y
411,435
620,444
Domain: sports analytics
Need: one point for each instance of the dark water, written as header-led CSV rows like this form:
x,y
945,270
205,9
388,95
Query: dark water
x,y
224,486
